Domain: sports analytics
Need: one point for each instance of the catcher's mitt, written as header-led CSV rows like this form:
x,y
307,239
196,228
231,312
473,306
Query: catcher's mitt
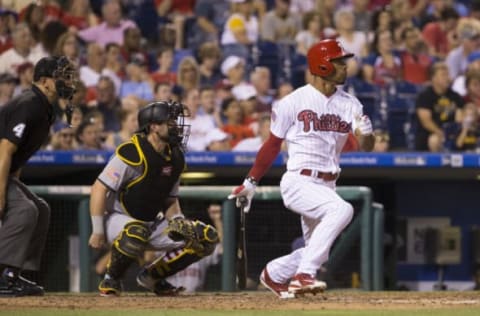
x,y
197,236
181,229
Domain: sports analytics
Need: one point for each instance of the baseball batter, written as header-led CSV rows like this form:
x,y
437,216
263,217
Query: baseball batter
x,y
314,120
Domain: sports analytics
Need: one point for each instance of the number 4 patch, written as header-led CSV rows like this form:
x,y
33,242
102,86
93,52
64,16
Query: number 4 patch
x,y
18,130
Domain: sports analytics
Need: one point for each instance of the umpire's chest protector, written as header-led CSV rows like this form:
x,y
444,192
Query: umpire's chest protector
x,y
145,196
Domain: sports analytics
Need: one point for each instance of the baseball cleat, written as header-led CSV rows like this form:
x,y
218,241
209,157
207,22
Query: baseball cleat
x,y
303,283
110,287
279,289
158,286
16,285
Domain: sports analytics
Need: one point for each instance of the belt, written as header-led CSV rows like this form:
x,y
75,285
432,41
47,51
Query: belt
x,y
326,176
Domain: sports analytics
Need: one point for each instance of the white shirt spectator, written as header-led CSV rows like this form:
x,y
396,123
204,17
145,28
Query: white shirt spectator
x,y
10,60
200,125
249,144
238,21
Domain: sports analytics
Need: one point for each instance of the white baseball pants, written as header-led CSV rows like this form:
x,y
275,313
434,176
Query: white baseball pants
x,y
324,214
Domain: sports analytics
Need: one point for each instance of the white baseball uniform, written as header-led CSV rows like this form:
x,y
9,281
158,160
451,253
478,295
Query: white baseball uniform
x,y
315,128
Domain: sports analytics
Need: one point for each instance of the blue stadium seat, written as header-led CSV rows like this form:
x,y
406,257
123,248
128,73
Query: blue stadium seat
x,y
400,97
269,56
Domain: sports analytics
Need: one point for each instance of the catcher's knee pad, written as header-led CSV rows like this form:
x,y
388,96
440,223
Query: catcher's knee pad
x,y
133,239
207,238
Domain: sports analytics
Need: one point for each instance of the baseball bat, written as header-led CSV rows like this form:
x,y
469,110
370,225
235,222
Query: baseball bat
x,y
242,247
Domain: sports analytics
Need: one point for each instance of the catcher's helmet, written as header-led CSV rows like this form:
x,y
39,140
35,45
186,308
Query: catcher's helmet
x,y
166,111
320,55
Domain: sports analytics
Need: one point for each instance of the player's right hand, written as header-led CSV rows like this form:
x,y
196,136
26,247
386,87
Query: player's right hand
x,y
247,189
97,241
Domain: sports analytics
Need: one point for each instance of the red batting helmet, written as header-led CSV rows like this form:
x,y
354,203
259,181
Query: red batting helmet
x,y
320,55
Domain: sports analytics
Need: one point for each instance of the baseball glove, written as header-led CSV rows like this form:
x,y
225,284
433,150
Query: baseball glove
x,y
181,229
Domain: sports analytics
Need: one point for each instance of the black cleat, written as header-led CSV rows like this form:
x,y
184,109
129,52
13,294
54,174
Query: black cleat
x,y
11,285
158,286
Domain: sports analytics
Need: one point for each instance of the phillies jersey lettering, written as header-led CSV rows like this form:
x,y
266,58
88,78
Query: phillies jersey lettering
x,y
326,122
315,127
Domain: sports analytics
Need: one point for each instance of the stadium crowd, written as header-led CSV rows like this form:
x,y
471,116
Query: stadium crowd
x,y
416,70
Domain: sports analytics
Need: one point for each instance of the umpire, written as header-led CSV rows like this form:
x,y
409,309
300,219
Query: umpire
x,y
25,123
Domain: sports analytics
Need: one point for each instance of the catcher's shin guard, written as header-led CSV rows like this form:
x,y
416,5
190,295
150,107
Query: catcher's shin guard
x,y
127,247
177,260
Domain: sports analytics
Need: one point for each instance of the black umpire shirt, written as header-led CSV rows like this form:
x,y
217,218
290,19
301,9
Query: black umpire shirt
x,y
26,122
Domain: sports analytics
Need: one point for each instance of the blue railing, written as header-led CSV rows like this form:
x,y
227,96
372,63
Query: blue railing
x,y
397,159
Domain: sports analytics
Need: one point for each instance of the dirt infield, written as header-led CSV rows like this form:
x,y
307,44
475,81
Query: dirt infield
x,y
251,301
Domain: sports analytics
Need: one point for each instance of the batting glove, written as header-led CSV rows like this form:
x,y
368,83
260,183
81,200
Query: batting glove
x,y
247,190
363,126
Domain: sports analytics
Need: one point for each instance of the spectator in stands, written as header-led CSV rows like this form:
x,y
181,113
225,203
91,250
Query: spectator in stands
x,y
414,60
210,19
144,14
260,78
283,89
69,46
49,37
200,123
362,15
194,276
111,29
233,68
137,82
223,90
163,92
188,74
132,43
437,105
278,25
383,65
20,52
246,95
62,137
438,34
25,78
381,20
88,136
468,34
302,7
128,126
34,17
241,29
177,12
91,72
254,143
311,32
234,124
217,140
78,15
352,41
209,56
108,104
472,83
114,65
401,19
459,85
7,23
164,73
468,138
208,104
7,87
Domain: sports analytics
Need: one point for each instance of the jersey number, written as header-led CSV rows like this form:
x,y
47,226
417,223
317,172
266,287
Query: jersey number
x,y
18,130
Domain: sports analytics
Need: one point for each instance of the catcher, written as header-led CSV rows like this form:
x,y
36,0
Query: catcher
x,y
134,204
